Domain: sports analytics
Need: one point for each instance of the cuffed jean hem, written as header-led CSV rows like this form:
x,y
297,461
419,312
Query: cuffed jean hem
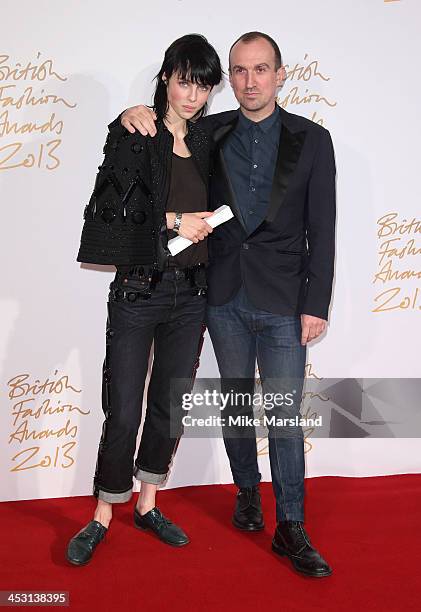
x,y
149,477
115,498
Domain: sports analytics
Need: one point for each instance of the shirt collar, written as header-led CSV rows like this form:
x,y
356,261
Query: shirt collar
x,y
265,125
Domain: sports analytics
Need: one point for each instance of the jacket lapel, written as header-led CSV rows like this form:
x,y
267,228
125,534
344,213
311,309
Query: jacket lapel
x,y
196,141
160,156
219,137
290,146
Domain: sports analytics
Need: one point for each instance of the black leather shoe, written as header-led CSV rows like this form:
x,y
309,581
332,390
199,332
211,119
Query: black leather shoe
x,y
292,541
81,547
248,510
161,526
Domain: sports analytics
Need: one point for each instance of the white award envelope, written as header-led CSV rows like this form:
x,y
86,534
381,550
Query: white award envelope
x,y
220,215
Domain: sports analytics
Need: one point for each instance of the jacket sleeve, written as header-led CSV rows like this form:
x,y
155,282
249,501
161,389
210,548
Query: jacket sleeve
x,y
109,151
118,220
320,229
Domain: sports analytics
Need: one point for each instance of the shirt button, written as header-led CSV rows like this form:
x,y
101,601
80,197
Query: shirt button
x,y
256,140
251,212
252,188
245,245
254,165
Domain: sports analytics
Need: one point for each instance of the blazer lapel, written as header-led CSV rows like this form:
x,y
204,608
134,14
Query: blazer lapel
x,y
290,145
219,137
232,199
199,149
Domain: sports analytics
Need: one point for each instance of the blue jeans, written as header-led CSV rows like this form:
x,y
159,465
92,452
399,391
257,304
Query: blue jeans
x,y
240,334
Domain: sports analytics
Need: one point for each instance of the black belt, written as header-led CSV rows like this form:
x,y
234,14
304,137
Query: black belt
x,y
149,277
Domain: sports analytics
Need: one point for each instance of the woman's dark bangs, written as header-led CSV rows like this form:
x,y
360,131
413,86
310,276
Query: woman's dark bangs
x,y
198,70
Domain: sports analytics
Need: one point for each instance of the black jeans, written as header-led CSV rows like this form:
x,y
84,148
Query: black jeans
x,y
172,316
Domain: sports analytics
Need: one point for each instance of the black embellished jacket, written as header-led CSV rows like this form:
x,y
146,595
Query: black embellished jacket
x,y
124,221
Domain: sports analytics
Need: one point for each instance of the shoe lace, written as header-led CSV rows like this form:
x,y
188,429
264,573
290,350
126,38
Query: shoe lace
x,y
162,520
92,538
300,536
252,495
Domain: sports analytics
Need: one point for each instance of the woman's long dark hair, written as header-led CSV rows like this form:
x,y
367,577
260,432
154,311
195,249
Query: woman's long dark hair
x,y
195,60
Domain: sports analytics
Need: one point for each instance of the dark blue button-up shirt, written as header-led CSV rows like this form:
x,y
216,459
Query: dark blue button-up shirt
x,y
250,153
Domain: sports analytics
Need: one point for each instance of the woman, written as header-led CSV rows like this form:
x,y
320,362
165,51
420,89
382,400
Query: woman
x,y
148,190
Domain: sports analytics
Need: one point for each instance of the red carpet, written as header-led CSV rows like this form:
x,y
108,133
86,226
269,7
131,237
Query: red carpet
x,y
367,528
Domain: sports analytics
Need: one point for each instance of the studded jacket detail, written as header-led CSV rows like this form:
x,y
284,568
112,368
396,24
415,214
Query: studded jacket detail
x,y
124,221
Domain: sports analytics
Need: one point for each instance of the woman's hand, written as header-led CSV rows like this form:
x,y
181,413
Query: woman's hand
x,y
192,225
139,118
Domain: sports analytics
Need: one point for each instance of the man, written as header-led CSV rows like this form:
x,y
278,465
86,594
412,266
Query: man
x,y
270,274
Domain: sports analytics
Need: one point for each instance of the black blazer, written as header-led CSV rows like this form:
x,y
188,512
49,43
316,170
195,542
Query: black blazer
x,y
287,263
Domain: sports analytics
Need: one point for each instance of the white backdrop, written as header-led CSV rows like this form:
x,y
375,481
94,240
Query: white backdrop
x,y
66,70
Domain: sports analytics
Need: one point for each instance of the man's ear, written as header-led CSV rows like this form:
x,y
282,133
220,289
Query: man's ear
x,y
230,76
281,76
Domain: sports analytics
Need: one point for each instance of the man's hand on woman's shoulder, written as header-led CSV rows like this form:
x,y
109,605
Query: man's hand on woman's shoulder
x,y
139,118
